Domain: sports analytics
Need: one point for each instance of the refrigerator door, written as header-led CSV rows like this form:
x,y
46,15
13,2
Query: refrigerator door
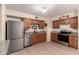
x,y
15,35
14,29
15,45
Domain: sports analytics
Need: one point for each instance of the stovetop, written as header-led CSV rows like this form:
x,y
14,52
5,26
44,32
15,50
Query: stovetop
x,y
64,32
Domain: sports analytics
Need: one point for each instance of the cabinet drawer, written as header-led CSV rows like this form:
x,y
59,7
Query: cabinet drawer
x,y
73,41
73,45
54,37
38,37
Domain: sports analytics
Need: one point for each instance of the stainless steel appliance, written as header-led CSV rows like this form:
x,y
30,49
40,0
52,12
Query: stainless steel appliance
x,y
28,39
63,37
14,35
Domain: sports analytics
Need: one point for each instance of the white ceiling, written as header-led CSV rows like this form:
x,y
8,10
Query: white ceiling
x,y
52,9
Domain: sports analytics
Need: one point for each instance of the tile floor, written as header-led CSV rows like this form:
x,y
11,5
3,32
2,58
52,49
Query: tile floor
x,y
47,48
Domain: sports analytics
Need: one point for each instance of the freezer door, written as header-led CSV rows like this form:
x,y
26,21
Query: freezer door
x,y
15,45
14,29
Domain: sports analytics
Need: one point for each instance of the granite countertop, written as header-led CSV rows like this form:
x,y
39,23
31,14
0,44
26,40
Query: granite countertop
x,y
55,32
36,32
72,33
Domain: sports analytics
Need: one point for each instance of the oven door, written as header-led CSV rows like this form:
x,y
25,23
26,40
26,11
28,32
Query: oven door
x,y
63,37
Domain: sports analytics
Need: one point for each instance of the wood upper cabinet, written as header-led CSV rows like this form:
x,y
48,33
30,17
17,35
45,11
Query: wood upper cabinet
x,y
74,22
54,36
61,22
38,37
41,24
27,23
56,24
73,41
33,21
66,21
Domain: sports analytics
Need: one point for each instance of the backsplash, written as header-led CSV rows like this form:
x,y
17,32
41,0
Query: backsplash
x,y
32,30
65,27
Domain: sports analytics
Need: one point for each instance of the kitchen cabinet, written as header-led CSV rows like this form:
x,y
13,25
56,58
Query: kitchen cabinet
x,y
38,37
54,36
33,21
74,22
27,23
73,41
42,37
35,38
56,24
61,22
66,21
41,24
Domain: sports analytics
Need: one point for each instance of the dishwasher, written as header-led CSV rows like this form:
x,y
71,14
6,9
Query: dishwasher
x,y
28,39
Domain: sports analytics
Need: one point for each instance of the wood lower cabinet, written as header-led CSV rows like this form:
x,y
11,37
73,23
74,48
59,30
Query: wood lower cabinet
x,y
54,36
38,37
73,41
35,38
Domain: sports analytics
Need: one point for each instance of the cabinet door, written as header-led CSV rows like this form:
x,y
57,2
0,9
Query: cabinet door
x,y
61,22
34,38
66,21
54,37
56,24
38,37
74,22
41,24
27,23
73,41
42,37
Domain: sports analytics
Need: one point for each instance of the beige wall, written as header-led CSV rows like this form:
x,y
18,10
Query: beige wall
x,y
2,27
0,24
78,29
22,14
49,29
71,14
14,19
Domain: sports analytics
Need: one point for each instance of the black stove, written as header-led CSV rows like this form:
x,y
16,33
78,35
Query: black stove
x,y
64,36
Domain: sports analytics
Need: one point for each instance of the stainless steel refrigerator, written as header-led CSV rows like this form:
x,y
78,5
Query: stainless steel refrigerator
x,y
14,35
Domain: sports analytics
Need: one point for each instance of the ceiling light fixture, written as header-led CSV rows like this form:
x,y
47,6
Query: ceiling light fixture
x,y
44,9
